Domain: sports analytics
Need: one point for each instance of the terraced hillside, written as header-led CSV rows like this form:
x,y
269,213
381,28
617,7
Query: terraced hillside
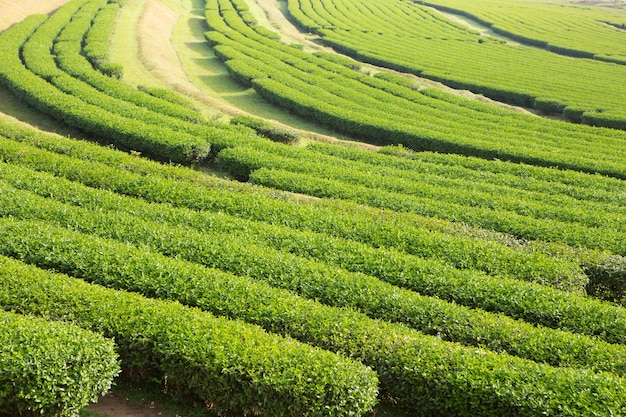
x,y
307,279
565,28
412,38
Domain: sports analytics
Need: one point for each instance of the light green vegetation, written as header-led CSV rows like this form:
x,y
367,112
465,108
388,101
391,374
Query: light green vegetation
x,y
530,215
581,30
49,368
205,77
410,37
93,152
237,367
332,93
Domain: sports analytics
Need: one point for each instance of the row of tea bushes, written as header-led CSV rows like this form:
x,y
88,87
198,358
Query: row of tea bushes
x,y
230,365
332,286
417,372
51,368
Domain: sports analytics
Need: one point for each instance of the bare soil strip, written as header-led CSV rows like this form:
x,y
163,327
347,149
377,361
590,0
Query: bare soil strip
x,y
275,14
113,406
13,11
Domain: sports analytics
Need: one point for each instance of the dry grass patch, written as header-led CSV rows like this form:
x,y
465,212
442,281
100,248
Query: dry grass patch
x,y
13,11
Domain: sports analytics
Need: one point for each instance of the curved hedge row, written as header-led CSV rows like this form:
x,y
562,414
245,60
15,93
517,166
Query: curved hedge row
x,y
68,50
565,29
461,292
578,185
87,151
52,369
381,36
463,247
156,141
234,367
573,234
416,235
198,198
57,56
420,373
238,254
338,97
96,49
530,216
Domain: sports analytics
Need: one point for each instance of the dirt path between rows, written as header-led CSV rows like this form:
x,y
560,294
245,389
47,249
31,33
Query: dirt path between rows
x,y
113,406
273,10
271,13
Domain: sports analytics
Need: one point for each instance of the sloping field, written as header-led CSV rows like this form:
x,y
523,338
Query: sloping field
x,y
412,38
571,29
307,280
329,90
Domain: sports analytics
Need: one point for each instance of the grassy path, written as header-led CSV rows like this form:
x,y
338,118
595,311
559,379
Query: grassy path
x,y
162,44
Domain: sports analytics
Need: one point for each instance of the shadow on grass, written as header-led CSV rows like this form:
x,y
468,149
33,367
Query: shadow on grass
x,y
10,105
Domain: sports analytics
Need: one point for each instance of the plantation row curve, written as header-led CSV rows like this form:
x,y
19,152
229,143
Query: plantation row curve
x,y
363,285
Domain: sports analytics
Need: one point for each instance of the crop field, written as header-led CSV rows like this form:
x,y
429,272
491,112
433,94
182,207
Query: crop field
x,y
410,38
565,28
453,258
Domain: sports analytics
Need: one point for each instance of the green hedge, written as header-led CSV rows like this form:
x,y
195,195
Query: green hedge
x,y
92,152
51,369
421,236
379,37
267,129
406,233
533,215
231,250
69,52
156,141
571,233
155,189
343,101
578,185
232,367
419,373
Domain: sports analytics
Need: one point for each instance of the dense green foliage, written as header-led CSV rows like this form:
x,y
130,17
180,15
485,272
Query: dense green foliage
x,y
448,285
408,364
267,129
341,98
155,141
421,236
106,108
535,216
221,246
231,366
196,197
51,369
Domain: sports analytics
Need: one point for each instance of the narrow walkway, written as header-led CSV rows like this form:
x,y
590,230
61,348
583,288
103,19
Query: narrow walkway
x,y
275,13
113,406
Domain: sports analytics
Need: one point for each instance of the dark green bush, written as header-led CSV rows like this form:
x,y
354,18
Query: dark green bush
x,y
112,70
420,373
222,245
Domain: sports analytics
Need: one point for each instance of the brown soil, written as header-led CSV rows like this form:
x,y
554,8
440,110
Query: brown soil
x,y
158,55
113,406
13,11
